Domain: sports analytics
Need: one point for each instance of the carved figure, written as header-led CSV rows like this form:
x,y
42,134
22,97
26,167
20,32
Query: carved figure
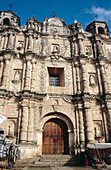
x,y
92,80
97,130
17,76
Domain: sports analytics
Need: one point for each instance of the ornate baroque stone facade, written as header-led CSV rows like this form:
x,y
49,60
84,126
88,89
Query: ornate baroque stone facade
x,y
53,71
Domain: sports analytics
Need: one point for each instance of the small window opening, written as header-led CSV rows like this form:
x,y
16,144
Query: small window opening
x,y
54,80
56,76
100,30
6,21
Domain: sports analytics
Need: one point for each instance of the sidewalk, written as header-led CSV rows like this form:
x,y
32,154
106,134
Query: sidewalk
x,y
59,168
64,168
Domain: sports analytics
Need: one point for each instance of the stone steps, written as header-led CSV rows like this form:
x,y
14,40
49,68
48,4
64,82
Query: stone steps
x,y
51,161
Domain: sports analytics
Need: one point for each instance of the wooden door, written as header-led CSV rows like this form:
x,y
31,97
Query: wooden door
x,y
55,137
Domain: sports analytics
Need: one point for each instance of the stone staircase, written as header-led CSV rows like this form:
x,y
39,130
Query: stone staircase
x,y
51,161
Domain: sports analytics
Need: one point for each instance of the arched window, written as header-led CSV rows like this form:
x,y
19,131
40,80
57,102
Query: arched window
x,y
100,30
6,21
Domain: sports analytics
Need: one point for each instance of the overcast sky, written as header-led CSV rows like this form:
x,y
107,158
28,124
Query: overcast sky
x,y
83,11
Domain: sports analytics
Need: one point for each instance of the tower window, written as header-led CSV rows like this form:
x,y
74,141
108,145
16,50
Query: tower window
x,y
100,30
6,21
56,76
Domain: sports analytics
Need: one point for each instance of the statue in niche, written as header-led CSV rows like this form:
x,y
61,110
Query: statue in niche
x,y
92,80
97,130
11,128
17,77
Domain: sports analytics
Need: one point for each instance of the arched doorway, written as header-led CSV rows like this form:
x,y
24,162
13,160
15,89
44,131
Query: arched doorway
x,y
55,137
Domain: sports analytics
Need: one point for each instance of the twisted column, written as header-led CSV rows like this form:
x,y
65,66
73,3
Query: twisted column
x,y
24,127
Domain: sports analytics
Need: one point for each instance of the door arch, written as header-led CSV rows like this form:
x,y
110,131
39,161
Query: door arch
x,y
55,137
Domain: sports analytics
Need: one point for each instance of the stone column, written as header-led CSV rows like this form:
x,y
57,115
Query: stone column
x,y
81,126
4,42
78,79
105,122
10,40
0,41
99,48
88,124
71,141
33,75
2,102
75,48
29,47
5,72
81,46
27,75
39,140
31,124
35,44
1,69
24,127
109,120
99,77
84,76
104,79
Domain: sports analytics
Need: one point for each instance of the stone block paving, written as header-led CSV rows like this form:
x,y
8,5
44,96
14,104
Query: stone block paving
x,y
63,168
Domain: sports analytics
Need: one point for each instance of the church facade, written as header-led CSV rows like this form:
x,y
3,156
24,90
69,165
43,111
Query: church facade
x,y
55,84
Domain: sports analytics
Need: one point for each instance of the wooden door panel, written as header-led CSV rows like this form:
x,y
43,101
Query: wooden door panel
x,y
53,137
